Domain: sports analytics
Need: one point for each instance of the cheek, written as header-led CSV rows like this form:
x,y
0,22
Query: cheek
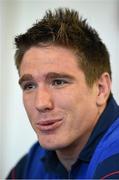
x,y
77,105
29,106
69,101
30,110
70,106
65,98
26,102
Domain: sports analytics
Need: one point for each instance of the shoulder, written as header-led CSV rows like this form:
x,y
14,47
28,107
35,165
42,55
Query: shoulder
x,y
106,157
108,168
19,169
109,143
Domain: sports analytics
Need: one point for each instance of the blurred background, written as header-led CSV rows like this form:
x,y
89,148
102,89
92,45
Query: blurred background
x,y
16,16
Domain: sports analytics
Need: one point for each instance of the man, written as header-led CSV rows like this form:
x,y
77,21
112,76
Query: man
x,y
65,76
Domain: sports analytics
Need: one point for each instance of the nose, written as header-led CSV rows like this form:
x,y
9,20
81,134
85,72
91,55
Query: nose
x,y
43,100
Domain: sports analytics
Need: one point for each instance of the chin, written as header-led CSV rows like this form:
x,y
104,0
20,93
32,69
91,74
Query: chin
x,y
51,146
51,143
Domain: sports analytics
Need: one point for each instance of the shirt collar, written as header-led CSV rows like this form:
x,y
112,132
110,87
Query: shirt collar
x,y
108,116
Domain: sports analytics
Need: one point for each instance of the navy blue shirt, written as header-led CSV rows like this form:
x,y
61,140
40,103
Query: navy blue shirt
x,y
43,164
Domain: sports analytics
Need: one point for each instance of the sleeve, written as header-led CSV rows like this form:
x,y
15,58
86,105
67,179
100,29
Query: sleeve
x,y
18,171
108,169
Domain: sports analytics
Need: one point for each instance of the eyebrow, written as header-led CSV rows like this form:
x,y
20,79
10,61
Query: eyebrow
x,y
51,75
25,77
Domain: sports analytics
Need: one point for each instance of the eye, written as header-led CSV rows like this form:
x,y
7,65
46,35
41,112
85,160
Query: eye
x,y
59,82
27,86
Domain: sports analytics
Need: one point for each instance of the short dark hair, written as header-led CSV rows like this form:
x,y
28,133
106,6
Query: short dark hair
x,y
64,27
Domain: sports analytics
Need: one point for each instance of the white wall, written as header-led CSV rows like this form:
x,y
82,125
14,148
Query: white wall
x,y
16,134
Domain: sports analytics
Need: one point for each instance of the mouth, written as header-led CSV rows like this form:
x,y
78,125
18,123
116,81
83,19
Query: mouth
x,y
49,125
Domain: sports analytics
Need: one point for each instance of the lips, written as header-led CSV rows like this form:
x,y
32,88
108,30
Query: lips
x,y
49,125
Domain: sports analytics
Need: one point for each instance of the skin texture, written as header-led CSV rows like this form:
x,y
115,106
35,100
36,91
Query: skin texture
x,y
61,107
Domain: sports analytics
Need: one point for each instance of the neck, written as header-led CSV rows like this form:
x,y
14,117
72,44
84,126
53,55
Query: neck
x,y
69,155
67,161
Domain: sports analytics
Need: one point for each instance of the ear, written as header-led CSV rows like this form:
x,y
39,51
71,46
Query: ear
x,y
104,88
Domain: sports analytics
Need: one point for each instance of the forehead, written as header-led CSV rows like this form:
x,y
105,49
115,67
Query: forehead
x,y
51,58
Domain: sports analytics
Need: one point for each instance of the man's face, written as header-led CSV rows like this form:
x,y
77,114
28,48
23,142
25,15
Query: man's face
x,y
60,105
